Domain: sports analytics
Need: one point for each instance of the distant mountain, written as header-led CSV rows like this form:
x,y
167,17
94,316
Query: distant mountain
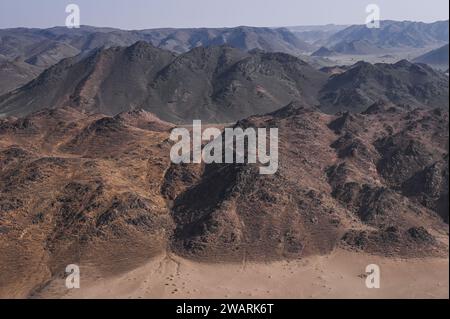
x,y
403,83
323,52
390,35
34,46
14,74
438,57
109,80
244,38
316,34
218,84
335,69
48,53
45,47
356,47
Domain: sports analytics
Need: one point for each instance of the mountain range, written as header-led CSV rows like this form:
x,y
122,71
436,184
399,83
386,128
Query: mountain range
x,y
86,176
102,191
14,74
48,46
218,84
316,34
391,36
44,47
403,83
438,57
38,49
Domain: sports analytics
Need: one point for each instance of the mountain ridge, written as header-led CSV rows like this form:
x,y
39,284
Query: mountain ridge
x,y
390,35
91,189
219,84
438,57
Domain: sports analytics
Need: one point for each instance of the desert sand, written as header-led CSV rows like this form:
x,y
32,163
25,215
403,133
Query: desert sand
x,y
339,275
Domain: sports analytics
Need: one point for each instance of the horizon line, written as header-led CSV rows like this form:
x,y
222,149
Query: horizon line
x,y
223,27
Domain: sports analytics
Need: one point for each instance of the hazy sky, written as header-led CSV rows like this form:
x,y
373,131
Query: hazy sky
x,y
141,14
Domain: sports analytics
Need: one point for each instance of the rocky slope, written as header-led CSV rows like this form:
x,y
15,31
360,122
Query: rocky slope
x,y
342,181
402,83
219,84
79,188
392,35
216,84
48,46
323,52
437,58
14,74
101,191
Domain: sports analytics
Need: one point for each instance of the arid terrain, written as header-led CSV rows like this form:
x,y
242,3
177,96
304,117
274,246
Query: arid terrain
x,y
363,177
101,192
338,275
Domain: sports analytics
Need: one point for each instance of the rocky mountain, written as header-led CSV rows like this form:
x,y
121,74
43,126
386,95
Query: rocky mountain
x,y
436,58
316,34
243,37
45,47
323,52
14,74
217,84
356,47
35,46
358,39
342,181
117,77
90,189
48,53
79,187
403,83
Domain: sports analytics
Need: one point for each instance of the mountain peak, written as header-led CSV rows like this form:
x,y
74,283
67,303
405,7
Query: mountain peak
x,y
403,63
295,107
323,52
